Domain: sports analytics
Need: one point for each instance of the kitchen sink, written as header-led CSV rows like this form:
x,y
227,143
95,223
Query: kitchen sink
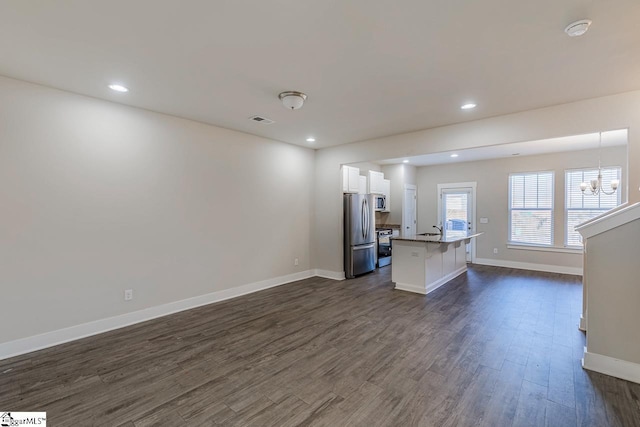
x,y
429,234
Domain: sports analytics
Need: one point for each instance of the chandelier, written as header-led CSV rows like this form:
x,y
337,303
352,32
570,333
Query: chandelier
x,y
595,185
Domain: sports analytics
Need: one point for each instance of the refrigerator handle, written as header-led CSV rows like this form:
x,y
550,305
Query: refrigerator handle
x,y
362,247
366,216
368,219
362,217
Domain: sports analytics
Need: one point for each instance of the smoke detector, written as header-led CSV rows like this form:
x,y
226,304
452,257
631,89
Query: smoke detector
x,y
292,100
577,28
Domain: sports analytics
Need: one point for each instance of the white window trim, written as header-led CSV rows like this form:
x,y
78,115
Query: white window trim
x,y
553,205
542,248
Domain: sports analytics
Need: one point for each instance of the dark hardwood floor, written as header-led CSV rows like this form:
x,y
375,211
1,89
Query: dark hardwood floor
x,y
495,347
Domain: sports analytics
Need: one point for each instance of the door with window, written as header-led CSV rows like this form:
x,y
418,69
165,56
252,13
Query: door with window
x,y
456,215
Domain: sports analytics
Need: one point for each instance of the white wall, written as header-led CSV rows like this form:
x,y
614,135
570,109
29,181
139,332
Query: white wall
x,y
98,197
614,295
365,167
492,199
592,115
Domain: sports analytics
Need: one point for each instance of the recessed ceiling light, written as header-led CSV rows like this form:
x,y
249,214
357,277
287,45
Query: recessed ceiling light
x,y
405,161
311,139
454,155
118,88
468,106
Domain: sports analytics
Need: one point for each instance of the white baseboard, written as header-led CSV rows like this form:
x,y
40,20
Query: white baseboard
x,y
433,286
61,336
328,274
445,279
610,366
576,271
411,288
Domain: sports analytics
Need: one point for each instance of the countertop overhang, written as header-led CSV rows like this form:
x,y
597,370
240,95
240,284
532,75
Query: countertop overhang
x,y
438,239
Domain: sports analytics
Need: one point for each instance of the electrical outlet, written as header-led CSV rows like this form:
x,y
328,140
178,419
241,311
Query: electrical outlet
x,y
295,261
128,294
495,250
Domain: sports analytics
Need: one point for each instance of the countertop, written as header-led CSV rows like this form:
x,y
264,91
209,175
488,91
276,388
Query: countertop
x,y
438,238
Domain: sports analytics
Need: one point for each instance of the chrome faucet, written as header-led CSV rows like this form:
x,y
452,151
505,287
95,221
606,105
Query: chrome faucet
x,y
439,228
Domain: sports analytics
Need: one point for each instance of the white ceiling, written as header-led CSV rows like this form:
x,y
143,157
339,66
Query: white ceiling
x,y
528,148
370,68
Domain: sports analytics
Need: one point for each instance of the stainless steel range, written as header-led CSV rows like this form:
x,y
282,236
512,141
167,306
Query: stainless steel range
x,y
384,246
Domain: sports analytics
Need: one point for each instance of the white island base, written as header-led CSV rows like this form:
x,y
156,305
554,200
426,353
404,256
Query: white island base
x,y
422,264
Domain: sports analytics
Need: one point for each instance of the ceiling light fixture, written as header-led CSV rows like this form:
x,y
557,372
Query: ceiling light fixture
x,y
468,106
118,88
311,139
454,155
595,185
405,161
292,99
577,28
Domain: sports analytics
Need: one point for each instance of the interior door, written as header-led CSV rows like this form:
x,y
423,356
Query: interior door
x,y
457,213
409,210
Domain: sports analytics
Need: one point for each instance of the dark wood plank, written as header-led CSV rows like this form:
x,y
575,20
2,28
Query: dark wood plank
x,y
494,346
561,383
559,415
501,409
531,408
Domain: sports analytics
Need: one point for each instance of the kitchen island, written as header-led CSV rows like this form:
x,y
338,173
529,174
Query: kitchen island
x,y
424,262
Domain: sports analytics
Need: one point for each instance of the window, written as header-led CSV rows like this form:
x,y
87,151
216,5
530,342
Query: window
x,y
531,208
581,207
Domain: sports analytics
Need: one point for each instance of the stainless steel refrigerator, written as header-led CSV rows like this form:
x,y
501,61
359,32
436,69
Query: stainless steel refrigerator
x,y
359,234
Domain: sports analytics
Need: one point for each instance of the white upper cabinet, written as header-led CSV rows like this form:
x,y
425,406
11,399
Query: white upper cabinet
x,y
376,185
350,179
363,185
386,190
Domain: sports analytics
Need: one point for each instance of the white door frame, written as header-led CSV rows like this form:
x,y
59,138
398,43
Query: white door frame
x,y
415,211
461,186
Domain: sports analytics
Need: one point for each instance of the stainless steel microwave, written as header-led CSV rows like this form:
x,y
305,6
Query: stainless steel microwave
x,y
380,202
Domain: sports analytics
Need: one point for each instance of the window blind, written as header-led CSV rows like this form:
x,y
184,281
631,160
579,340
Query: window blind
x,y
531,208
581,207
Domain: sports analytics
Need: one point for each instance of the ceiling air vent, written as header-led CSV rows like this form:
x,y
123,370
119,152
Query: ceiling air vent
x,y
262,120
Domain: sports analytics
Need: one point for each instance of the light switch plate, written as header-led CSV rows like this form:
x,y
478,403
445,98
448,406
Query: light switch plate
x,y
484,220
